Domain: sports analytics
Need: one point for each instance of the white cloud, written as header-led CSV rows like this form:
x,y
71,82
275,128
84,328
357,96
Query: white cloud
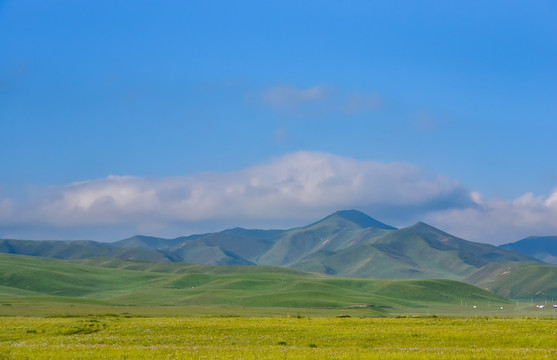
x,y
294,189
551,201
300,186
500,221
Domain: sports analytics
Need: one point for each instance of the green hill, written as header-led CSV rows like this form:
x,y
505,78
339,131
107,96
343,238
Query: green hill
x,y
119,282
543,248
516,280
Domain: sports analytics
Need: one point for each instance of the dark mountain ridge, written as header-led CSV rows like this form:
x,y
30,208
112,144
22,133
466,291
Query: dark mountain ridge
x,y
543,248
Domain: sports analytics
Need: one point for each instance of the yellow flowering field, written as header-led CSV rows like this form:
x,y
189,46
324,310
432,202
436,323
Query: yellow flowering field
x,y
125,337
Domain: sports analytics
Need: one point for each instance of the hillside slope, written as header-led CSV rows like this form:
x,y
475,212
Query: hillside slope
x,y
419,251
517,280
338,231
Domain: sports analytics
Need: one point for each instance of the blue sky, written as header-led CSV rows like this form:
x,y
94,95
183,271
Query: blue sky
x,y
121,117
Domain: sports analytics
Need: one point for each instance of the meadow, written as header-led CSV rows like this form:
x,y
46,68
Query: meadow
x,y
125,336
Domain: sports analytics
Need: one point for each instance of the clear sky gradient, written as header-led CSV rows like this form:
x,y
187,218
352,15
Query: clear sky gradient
x,y
172,117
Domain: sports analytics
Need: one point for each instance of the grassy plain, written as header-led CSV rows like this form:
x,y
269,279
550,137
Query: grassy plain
x,y
128,337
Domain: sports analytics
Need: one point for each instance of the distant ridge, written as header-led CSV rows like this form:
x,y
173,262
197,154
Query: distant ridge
x,y
81,249
543,248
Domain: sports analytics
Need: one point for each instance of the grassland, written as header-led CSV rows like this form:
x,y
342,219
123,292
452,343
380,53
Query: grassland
x,y
125,337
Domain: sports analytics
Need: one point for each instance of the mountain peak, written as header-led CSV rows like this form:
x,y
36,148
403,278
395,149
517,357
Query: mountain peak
x,y
358,218
422,224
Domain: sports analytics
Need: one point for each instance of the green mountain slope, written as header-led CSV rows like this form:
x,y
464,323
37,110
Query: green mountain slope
x,y
338,231
518,280
229,247
419,251
543,248
112,281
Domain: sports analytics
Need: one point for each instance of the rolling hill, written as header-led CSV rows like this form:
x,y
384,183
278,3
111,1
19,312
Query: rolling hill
x,y
122,282
543,248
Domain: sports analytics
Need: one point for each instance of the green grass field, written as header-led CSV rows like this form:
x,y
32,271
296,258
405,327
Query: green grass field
x,y
126,337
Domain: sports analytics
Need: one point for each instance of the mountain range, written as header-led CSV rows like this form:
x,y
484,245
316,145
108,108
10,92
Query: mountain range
x,y
347,243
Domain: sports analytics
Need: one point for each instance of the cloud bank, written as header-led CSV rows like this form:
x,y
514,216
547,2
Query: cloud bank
x,y
288,191
499,221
